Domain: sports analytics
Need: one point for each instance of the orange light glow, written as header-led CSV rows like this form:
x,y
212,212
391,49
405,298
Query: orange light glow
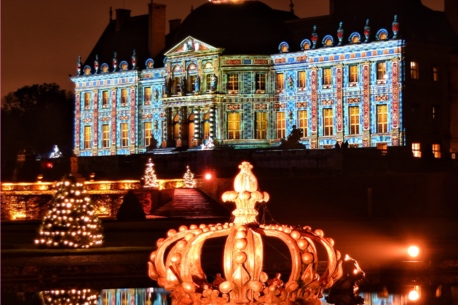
x,y
208,176
413,251
414,294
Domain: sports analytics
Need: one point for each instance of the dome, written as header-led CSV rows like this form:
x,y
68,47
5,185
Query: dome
x,y
248,27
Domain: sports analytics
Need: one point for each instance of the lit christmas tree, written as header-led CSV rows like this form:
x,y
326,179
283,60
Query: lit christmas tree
x,y
150,179
71,221
188,178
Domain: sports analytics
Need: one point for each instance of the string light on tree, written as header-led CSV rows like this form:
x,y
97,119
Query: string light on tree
x,y
188,178
71,221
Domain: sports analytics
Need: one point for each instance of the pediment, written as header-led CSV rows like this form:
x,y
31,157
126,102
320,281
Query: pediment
x,y
192,45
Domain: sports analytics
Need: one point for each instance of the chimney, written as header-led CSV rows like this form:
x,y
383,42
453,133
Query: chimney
x,y
156,26
174,24
122,15
451,11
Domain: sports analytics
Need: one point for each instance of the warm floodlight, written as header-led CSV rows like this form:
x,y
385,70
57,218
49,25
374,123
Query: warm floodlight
x,y
413,251
414,294
208,176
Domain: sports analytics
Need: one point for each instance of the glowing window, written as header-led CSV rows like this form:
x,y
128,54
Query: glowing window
x,y
354,119
416,150
382,118
104,99
328,122
176,127
105,136
206,127
381,71
260,81
383,147
353,74
414,72
123,97
280,81
435,74
87,137
147,93
261,125
281,125
124,135
233,82
87,100
327,76
437,151
303,119
233,125
148,133
208,81
301,79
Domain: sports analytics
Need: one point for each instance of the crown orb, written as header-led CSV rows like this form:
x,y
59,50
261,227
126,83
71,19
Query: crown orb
x,y
240,234
176,258
295,235
241,243
319,232
302,244
240,257
307,258
188,287
171,232
181,244
245,195
160,241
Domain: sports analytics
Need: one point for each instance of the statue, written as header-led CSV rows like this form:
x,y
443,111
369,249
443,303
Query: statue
x,y
292,142
214,83
153,143
56,153
208,144
197,85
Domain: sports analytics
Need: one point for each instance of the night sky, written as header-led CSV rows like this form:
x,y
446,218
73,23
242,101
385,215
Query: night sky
x,y
41,40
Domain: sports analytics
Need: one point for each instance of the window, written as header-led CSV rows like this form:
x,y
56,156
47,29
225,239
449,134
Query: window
x,y
208,81
104,99
281,125
233,82
123,97
105,136
206,127
280,81
87,100
328,126
176,127
383,147
353,111
176,85
124,135
416,151
302,119
192,83
260,82
382,118
148,133
353,74
147,93
261,125
435,74
381,71
437,151
301,79
87,137
233,125
327,74
414,72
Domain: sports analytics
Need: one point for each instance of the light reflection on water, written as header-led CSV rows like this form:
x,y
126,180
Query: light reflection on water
x,y
142,296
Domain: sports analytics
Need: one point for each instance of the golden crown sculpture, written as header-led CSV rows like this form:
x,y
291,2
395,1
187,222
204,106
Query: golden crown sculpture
x,y
176,264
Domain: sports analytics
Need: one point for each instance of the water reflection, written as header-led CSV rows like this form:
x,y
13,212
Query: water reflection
x,y
145,296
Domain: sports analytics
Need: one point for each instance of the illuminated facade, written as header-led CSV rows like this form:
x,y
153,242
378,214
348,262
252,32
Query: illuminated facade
x,y
356,88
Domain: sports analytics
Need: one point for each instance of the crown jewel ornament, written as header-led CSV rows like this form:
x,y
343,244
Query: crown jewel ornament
x,y
176,263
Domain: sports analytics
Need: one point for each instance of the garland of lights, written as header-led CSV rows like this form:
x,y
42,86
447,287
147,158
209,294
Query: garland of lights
x,y
71,221
73,296
188,178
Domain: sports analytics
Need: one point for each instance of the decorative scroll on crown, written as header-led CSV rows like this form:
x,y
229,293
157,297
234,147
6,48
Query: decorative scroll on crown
x,y
176,263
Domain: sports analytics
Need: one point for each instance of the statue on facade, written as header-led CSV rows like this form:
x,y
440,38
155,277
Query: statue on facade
x,y
293,140
214,83
55,153
183,85
153,144
197,84
367,31
340,33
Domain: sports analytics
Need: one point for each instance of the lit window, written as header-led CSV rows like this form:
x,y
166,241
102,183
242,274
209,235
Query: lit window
x,y
353,74
302,119
104,99
105,136
87,137
382,118
124,135
176,85
437,151
416,151
280,81
383,147
87,100
327,74
435,74
148,133
328,126
354,119
281,125
261,125
176,127
206,129
260,82
123,97
233,125
301,80
233,82
208,81
147,95
414,72
381,71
